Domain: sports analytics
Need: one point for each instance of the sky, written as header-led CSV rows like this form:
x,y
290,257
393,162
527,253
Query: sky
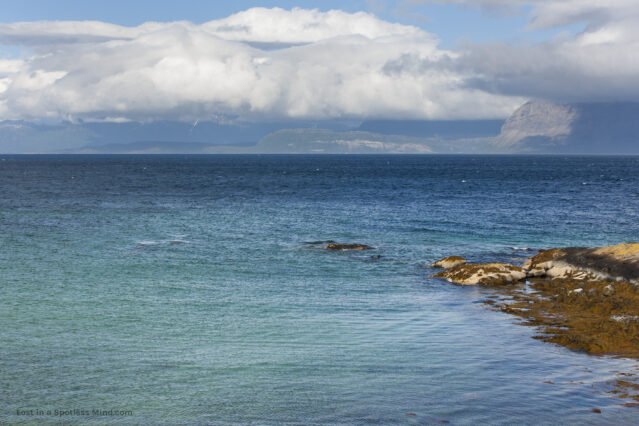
x,y
256,61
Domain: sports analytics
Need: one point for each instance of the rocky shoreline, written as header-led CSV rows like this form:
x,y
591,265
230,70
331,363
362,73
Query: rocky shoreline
x,y
618,263
586,299
582,298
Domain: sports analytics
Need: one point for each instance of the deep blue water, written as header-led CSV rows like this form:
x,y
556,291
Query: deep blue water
x,y
186,289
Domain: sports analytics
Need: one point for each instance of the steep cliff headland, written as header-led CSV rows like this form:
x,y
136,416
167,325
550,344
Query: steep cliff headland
x,y
582,128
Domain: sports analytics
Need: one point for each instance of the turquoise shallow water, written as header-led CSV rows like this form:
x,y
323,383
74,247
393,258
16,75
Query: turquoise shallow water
x,y
186,289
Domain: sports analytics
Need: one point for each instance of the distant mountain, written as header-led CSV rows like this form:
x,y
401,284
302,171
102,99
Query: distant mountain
x,y
167,137
27,137
444,129
582,128
322,141
224,132
301,141
535,127
22,137
154,147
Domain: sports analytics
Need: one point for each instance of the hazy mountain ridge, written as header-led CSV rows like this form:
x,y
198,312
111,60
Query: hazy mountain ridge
x,y
322,141
535,127
87,137
581,128
539,119
447,129
157,147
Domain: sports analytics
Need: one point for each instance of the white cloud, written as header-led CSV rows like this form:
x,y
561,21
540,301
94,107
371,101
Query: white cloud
x,y
327,65
253,25
598,64
263,64
557,13
303,26
597,13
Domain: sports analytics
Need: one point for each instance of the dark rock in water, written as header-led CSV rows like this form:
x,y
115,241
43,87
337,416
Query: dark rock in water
x,y
338,246
376,256
596,410
314,243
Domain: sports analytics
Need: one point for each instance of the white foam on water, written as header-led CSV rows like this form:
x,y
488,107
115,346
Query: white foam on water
x,y
149,243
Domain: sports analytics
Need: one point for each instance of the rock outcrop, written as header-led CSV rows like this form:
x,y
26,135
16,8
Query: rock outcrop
x,y
539,119
580,128
598,317
448,262
584,298
614,263
618,263
483,273
339,246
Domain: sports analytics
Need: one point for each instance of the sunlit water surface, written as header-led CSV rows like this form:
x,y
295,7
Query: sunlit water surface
x,y
193,289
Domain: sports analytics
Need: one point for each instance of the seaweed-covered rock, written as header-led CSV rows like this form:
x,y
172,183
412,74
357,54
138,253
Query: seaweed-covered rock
x,y
614,263
483,273
588,301
579,315
449,262
338,246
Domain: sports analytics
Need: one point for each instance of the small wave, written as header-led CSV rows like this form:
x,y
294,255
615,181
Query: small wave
x,y
179,242
149,243
153,243
521,248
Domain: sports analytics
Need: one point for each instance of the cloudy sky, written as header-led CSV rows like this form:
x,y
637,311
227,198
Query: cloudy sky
x,y
280,60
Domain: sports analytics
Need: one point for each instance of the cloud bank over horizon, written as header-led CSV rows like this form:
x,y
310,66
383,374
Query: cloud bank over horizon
x,y
274,64
596,65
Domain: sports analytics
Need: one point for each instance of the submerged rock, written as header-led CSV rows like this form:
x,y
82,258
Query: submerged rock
x,y
483,273
449,262
614,263
338,246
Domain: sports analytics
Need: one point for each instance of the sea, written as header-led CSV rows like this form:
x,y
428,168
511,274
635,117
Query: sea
x,y
178,289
